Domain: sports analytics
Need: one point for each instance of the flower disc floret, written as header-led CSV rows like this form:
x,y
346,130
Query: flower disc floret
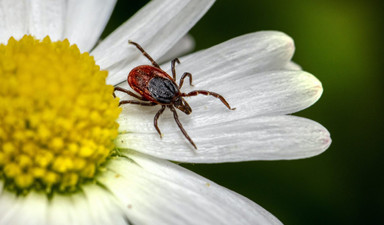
x,y
57,115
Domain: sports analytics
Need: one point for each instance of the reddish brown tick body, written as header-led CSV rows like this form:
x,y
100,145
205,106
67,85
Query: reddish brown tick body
x,y
156,87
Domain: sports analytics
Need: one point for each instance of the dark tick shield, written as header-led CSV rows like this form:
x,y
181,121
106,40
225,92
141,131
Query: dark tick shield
x,y
156,87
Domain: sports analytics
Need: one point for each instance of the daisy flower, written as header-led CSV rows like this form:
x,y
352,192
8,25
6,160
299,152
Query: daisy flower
x,y
70,155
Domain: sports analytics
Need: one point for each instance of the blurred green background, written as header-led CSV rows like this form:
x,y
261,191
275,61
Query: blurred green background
x,y
340,42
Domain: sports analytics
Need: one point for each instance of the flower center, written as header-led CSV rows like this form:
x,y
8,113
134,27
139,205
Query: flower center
x,y
57,116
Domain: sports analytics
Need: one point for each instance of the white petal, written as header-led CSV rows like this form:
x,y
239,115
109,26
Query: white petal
x,y
94,206
86,20
29,209
69,209
267,93
292,66
46,17
157,27
259,138
9,206
158,192
13,19
183,46
104,207
240,56
34,209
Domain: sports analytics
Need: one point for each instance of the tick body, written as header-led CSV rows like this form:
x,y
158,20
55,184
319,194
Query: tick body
x,y
153,84
156,87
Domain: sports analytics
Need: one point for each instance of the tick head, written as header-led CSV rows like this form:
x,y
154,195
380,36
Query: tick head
x,y
182,105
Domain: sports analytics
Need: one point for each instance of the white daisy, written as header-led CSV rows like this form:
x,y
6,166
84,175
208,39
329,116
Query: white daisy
x,y
57,160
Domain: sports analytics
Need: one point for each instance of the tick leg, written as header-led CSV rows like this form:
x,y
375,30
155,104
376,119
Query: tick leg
x,y
137,103
128,92
176,60
202,92
181,126
154,63
183,77
157,117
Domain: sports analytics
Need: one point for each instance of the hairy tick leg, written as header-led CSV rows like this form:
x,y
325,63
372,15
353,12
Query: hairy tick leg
x,y
203,92
154,63
156,118
181,126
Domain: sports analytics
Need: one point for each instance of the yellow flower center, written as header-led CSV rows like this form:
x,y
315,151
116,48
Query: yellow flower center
x,y
57,116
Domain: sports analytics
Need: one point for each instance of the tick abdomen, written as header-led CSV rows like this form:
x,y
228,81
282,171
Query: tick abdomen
x,y
163,90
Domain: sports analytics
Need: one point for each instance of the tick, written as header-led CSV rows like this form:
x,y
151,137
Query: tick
x,y
156,87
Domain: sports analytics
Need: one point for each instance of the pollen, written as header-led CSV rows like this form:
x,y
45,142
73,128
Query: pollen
x,y
57,116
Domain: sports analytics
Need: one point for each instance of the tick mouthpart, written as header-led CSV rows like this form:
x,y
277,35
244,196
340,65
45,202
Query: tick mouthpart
x,y
182,105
